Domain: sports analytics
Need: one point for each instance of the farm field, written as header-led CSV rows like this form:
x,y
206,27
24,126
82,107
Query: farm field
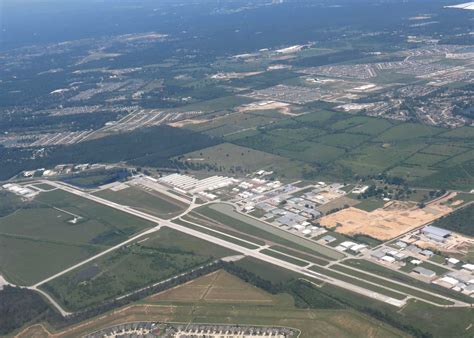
x,y
224,298
158,257
341,146
234,159
61,229
148,201
235,122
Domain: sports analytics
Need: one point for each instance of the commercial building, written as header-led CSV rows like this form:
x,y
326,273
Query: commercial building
x,y
424,272
436,234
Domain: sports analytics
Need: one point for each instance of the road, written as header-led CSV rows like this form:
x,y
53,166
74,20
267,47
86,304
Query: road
x,y
255,253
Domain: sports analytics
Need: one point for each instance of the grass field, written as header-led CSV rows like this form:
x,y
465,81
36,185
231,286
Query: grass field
x,y
370,204
148,201
459,221
339,146
224,298
210,231
25,261
161,256
234,159
57,230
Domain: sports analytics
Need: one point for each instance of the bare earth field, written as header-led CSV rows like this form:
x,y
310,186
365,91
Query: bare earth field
x,y
394,219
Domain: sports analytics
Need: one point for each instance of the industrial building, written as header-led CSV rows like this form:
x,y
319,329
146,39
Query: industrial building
x,y
436,234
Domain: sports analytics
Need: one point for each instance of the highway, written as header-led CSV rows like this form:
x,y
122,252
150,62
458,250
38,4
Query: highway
x,y
255,253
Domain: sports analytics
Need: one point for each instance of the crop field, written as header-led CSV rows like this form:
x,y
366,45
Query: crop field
x,y
61,229
339,145
148,201
234,159
158,257
223,298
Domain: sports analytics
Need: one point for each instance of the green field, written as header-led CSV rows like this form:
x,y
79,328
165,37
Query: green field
x,y
148,201
370,204
234,159
26,261
340,146
210,231
132,267
459,221
57,230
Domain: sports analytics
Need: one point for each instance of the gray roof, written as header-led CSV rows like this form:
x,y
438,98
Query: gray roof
x,y
436,231
328,238
378,254
427,252
425,272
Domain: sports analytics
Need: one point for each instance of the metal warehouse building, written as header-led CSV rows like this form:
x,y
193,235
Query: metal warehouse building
x,y
436,234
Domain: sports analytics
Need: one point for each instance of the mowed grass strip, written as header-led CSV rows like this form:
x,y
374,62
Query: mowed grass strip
x,y
216,234
357,282
283,257
208,223
306,257
391,285
389,273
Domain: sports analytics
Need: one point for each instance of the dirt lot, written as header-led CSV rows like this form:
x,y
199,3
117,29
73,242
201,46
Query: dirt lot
x,y
385,223
283,108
